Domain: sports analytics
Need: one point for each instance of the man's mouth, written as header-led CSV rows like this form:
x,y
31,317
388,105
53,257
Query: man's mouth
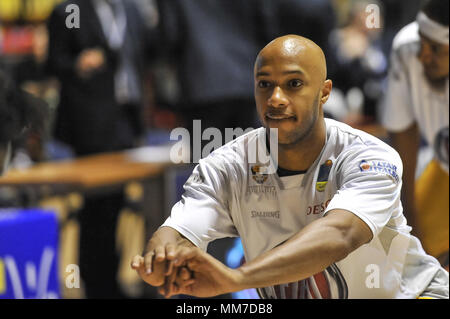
x,y
278,117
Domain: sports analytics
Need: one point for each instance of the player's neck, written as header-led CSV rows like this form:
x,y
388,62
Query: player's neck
x,y
439,85
301,156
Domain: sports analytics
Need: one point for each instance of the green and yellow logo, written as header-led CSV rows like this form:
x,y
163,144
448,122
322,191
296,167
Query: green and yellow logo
x,y
322,178
320,186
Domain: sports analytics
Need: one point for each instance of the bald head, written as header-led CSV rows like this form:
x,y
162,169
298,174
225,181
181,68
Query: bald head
x,y
291,88
296,50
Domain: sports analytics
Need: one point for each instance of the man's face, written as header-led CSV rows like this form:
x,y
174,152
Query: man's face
x,y
287,92
434,58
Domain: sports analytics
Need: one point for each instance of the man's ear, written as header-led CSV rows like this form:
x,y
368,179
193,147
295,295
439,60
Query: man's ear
x,y
326,91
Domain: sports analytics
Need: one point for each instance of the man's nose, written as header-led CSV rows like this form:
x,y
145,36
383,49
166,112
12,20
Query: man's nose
x,y
278,99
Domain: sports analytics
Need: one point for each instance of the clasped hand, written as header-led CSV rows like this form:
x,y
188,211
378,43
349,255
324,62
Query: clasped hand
x,y
185,270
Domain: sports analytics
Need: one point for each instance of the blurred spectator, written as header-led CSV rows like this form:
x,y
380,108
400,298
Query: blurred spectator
x,y
415,107
101,68
23,47
19,111
360,64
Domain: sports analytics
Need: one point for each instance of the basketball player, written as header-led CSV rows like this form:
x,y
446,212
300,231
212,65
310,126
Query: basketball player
x,y
315,221
417,106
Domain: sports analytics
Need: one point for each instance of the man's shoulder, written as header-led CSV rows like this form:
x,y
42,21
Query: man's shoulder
x,y
341,129
408,36
355,141
361,152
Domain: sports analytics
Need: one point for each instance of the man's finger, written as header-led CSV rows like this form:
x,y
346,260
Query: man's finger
x,y
193,265
137,261
170,281
170,285
186,288
185,274
174,291
170,255
184,254
164,290
161,290
160,253
148,260
186,283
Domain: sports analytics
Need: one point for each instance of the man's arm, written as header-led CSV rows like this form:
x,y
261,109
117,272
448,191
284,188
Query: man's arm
x,y
157,259
407,145
310,251
203,211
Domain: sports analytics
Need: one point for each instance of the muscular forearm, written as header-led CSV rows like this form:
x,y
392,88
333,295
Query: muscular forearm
x,y
310,251
313,249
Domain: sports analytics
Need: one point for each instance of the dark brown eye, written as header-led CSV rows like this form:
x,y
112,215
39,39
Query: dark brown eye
x,y
263,84
295,83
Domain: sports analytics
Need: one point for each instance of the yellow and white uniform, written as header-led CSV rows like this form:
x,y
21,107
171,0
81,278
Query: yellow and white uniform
x,y
411,98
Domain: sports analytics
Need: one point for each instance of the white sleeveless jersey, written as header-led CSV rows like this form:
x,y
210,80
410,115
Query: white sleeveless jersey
x,y
410,97
227,195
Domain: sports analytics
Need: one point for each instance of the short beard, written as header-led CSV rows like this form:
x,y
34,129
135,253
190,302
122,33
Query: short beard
x,y
437,84
300,137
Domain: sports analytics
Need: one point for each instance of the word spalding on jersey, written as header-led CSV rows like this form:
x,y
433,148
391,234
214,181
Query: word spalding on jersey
x,y
380,167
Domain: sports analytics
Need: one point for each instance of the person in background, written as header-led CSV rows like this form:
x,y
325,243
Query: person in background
x,y
100,67
19,112
359,49
416,107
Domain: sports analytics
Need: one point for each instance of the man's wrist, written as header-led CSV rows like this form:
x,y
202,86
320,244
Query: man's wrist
x,y
183,241
240,279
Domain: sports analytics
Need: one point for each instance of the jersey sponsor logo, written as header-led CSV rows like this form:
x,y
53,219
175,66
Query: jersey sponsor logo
x,y
317,209
273,214
379,167
259,173
328,284
324,173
